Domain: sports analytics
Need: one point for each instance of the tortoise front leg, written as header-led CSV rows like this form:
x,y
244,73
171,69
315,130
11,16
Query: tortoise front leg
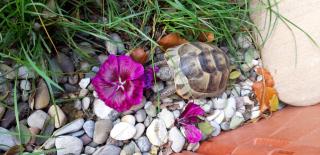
x,y
167,91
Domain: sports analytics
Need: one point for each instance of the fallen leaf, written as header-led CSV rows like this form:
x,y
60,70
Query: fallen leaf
x,y
206,37
266,95
234,75
14,150
171,40
274,103
205,128
139,55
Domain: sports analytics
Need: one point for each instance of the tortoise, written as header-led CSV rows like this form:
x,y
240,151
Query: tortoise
x,y
198,70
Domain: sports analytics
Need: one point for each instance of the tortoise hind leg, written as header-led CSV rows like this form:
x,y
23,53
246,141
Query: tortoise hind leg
x,y
167,91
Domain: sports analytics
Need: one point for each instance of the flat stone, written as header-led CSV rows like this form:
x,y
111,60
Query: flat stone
x,y
60,118
151,110
89,150
25,85
219,103
68,145
86,103
9,117
37,119
167,117
49,143
84,83
88,127
157,132
77,134
101,130
65,63
108,150
129,119
130,149
7,71
123,131
216,128
236,120
144,144
289,54
6,139
103,111
42,96
230,109
140,115
86,139
73,126
140,130
177,139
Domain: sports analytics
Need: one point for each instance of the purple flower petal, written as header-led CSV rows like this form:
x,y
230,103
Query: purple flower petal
x,y
129,69
191,113
119,82
149,76
193,134
109,70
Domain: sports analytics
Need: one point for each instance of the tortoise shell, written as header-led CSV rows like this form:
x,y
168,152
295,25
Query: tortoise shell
x,y
200,69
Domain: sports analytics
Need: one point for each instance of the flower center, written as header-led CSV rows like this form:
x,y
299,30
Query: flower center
x,y
120,84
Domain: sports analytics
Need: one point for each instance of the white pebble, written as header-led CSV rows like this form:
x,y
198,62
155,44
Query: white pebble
x,y
123,131
84,83
25,85
167,117
85,103
129,119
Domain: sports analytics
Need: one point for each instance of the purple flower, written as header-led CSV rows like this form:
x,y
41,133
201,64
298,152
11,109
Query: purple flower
x,y
188,119
119,82
149,78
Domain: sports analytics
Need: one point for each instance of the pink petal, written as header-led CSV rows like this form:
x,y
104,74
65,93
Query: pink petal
x,y
134,91
129,69
193,134
192,110
109,70
104,89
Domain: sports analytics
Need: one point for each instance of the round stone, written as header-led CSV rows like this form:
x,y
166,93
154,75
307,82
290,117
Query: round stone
x,y
157,132
84,83
88,127
167,117
129,119
101,130
68,145
144,144
60,118
177,139
37,119
140,115
123,131
140,130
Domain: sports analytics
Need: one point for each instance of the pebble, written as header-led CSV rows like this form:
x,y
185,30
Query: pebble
x,y
165,73
129,119
176,114
207,107
84,83
140,115
102,58
193,146
25,73
112,141
108,150
86,139
49,143
219,103
151,110
37,119
200,101
2,111
77,104
177,139
6,139
144,144
65,63
230,109
216,128
101,130
83,93
130,149
68,145
89,150
103,111
236,120
147,121
167,100
73,79
157,132
181,104
88,127
167,117
115,45
225,126
7,71
25,85
42,95
57,114
157,87
140,130
77,134
95,69
243,41
70,127
218,116
86,103
9,117
123,131
247,101
255,114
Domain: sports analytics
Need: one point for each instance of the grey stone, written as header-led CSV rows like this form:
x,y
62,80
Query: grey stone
x,y
77,134
123,131
89,150
42,96
108,150
37,119
140,115
144,144
65,63
73,126
6,139
130,149
101,130
25,85
151,110
103,111
68,145
140,130
177,139
25,73
88,127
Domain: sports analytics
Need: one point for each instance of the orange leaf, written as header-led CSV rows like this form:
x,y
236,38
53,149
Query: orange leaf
x,y
266,76
171,40
206,37
263,94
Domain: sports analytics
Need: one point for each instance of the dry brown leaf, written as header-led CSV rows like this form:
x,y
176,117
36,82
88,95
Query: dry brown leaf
x,y
206,37
171,40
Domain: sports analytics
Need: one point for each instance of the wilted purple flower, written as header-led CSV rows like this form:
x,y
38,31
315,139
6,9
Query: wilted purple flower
x,y
188,119
149,76
119,82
